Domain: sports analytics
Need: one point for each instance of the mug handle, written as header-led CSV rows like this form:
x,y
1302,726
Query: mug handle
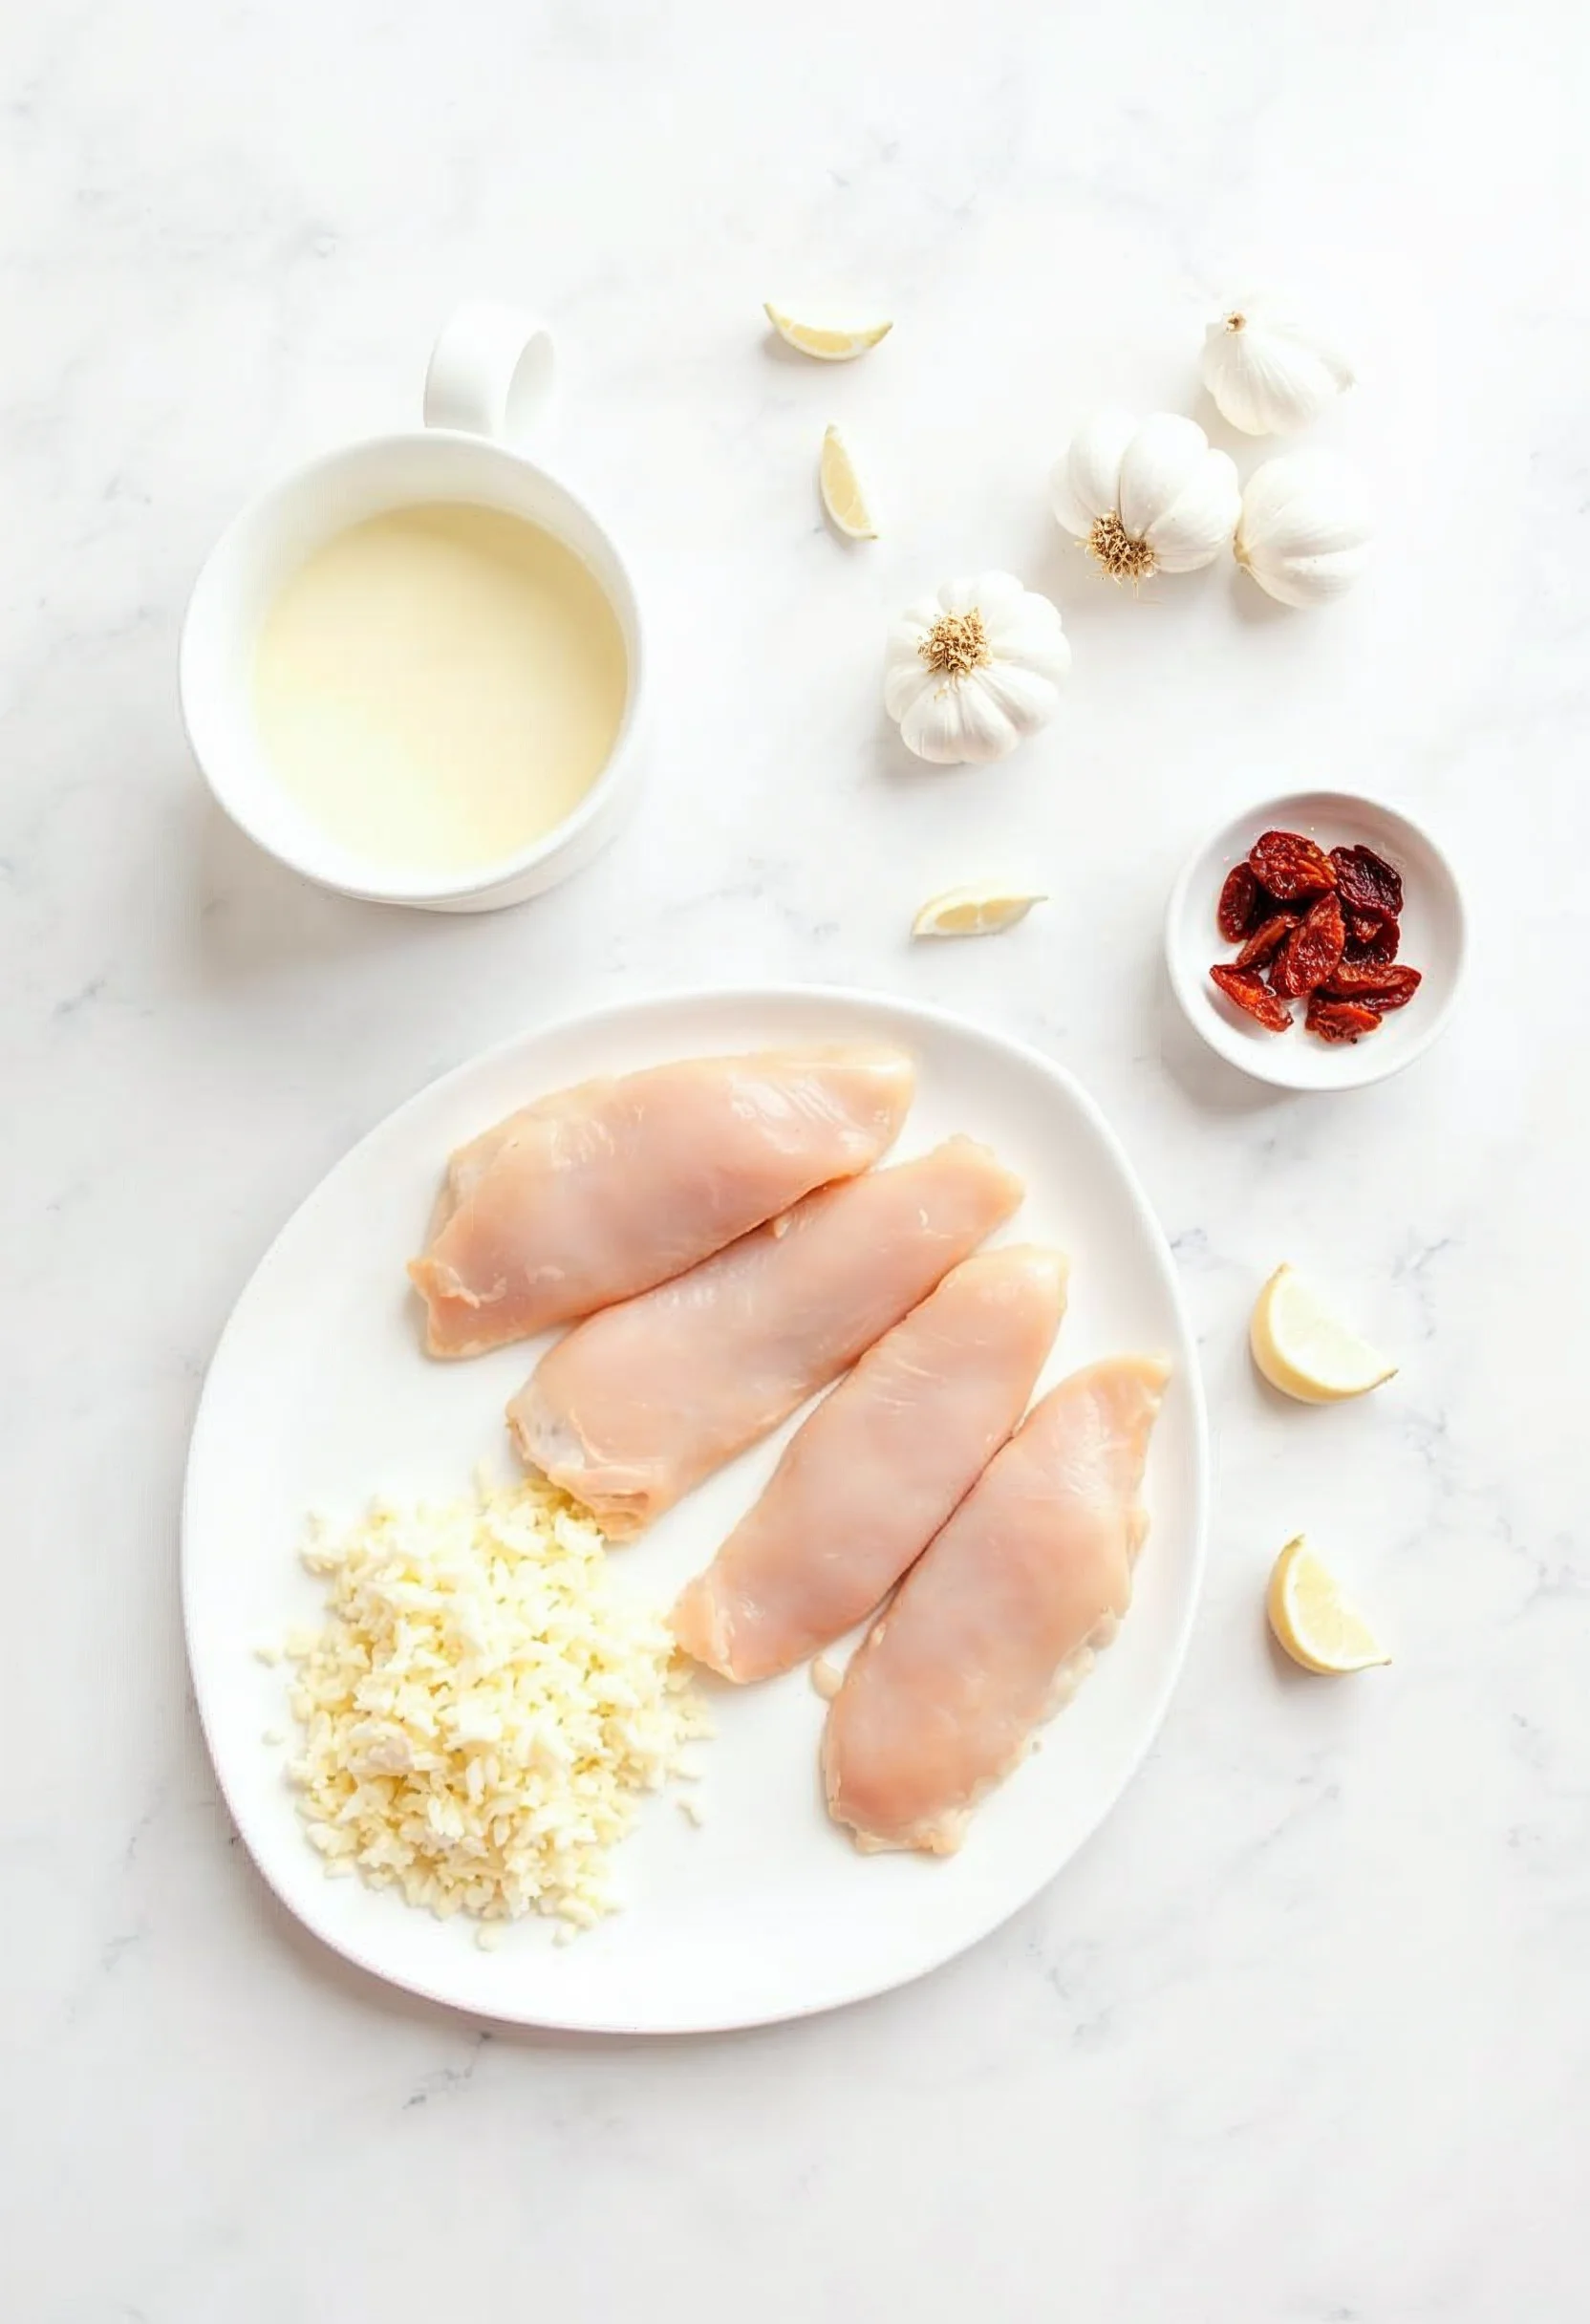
x,y
491,374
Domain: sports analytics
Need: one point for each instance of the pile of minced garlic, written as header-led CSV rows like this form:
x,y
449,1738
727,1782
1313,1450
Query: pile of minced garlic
x,y
482,1711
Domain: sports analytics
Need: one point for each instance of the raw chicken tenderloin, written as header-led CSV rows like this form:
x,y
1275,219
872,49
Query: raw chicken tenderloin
x,y
641,1402
599,1192
999,1621
867,1480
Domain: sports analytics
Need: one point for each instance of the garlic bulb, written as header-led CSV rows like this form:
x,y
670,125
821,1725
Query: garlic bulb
x,y
1267,373
970,674
1305,528
1146,496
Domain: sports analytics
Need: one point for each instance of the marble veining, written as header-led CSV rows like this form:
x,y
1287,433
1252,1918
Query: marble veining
x,y
1302,2035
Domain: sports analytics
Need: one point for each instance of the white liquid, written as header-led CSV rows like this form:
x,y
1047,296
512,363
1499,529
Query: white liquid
x,y
440,686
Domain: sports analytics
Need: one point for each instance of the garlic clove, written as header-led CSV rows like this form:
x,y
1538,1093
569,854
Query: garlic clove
x,y
1308,502
952,726
907,678
1200,522
1029,632
962,595
1305,528
1024,697
1093,465
1158,464
1304,581
1069,513
904,665
1048,652
985,730
930,726
1267,372
920,617
998,596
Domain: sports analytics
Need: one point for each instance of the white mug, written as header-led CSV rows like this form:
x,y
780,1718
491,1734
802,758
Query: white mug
x,y
487,388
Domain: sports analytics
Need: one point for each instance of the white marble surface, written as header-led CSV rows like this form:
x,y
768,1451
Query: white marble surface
x,y
1304,2034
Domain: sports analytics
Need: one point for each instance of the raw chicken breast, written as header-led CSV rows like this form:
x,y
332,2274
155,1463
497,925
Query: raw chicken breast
x,y
641,1402
998,1623
867,1480
600,1192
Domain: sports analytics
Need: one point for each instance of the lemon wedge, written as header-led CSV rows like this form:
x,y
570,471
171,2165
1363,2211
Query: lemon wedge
x,y
974,911
842,495
1302,1349
1312,1620
827,346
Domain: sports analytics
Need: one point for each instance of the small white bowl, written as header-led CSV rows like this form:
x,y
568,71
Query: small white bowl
x,y
1433,937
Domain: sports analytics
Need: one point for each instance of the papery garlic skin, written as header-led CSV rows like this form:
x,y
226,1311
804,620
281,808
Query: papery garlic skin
x,y
1304,528
971,673
1268,372
1146,496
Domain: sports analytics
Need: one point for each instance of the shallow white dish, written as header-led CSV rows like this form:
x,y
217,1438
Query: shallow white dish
x,y
1432,940
318,1397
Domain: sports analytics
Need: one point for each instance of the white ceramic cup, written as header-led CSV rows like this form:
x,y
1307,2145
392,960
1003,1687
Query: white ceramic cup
x,y
486,391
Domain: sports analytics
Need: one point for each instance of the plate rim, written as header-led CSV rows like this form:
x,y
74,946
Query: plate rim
x,y
586,2021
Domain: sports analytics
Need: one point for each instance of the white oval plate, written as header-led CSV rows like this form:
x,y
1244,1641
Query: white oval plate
x,y
319,1397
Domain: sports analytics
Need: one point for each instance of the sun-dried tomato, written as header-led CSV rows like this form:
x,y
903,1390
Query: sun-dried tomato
x,y
1267,940
1396,991
1367,882
1373,935
1337,949
1291,866
1357,979
1379,988
1338,1020
1247,989
1241,905
1311,952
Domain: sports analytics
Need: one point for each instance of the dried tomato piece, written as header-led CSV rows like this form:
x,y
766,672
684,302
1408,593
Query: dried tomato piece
x,y
1290,866
1247,989
1267,940
1241,904
1340,1019
1373,935
1378,988
1394,995
1367,882
1311,952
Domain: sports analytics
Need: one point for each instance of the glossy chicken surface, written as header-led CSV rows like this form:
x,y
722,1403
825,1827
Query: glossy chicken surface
x,y
599,1192
999,1619
639,1403
870,1476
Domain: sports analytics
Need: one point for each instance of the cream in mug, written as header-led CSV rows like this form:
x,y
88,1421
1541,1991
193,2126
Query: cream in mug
x,y
440,686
